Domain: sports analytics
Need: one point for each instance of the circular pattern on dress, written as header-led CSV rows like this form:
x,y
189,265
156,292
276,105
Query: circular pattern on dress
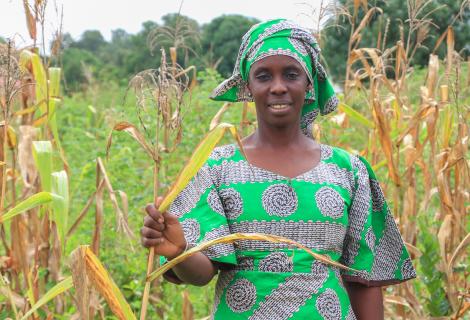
x,y
407,270
213,200
330,202
370,238
378,198
241,296
192,230
328,305
279,200
319,269
232,202
223,152
276,262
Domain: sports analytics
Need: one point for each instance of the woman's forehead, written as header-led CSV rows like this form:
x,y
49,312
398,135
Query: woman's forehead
x,y
276,61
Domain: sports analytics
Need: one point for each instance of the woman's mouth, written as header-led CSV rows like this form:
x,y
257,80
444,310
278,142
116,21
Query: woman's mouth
x,y
279,107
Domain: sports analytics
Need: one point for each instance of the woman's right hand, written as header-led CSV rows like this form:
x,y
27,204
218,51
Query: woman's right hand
x,y
163,232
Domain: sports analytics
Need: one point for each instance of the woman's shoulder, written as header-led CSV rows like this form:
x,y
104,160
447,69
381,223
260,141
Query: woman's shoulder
x,y
339,156
221,153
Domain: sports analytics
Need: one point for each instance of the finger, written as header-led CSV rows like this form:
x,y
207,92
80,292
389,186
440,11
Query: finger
x,y
154,213
152,224
159,201
148,243
171,219
150,233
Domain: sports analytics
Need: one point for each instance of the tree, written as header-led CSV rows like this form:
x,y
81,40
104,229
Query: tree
x,y
221,39
91,40
439,14
73,60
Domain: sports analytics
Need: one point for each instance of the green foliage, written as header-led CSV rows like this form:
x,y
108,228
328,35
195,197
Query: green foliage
x,y
437,304
91,40
74,60
93,58
221,38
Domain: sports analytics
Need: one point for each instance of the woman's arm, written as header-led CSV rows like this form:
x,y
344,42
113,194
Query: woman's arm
x,y
197,270
367,302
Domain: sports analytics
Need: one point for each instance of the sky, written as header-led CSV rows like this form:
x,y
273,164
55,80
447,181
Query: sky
x,y
107,15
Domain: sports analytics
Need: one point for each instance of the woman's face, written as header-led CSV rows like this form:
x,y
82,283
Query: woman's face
x,y
278,85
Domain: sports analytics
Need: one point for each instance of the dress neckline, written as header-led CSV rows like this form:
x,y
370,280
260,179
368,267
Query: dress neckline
x,y
283,177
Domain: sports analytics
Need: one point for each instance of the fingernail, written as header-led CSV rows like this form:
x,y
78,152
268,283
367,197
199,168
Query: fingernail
x,y
160,220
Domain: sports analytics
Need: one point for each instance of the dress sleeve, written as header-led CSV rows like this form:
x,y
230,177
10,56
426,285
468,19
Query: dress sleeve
x,y
202,217
373,245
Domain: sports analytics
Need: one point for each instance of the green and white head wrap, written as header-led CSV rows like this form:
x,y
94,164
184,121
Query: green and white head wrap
x,y
281,37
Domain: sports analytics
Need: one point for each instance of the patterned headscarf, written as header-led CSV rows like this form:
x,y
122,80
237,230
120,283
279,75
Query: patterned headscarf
x,y
281,37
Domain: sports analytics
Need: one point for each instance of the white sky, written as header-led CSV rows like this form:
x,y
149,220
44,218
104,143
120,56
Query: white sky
x,y
107,15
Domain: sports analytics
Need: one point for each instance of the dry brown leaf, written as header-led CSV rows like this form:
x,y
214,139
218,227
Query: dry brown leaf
x,y
231,238
30,20
122,224
458,252
188,310
385,140
432,77
134,133
27,167
218,116
450,49
80,282
104,284
356,35
443,236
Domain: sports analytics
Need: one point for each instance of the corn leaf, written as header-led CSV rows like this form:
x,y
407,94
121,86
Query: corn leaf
x,y
28,58
28,204
42,153
54,82
30,21
198,158
134,133
104,284
60,205
59,288
356,116
218,116
236,237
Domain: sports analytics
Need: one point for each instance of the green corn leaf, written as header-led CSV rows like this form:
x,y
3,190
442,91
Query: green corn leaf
x,y
28,57
354,115
59,288
54,82
60,205
42,153
28,204
197,160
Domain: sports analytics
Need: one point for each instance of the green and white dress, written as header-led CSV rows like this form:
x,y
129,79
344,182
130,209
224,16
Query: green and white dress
x,y
336,208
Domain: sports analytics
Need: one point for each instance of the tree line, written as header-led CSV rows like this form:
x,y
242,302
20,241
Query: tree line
x,y
215,44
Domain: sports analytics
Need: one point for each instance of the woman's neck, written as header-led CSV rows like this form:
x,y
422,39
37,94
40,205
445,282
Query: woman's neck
x,y
275,137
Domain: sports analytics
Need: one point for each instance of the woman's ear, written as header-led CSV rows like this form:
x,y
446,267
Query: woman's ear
x,y
248,91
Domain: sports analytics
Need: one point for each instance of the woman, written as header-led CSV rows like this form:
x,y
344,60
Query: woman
x,y
284,184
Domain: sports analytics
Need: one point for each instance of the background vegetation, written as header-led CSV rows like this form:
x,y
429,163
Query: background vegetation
x,y
404,105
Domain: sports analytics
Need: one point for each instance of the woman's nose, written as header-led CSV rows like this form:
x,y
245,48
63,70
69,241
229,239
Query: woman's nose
x,y
278,86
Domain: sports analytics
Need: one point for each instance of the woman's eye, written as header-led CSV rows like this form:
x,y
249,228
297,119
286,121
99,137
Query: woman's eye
x,y
292,75
263,77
